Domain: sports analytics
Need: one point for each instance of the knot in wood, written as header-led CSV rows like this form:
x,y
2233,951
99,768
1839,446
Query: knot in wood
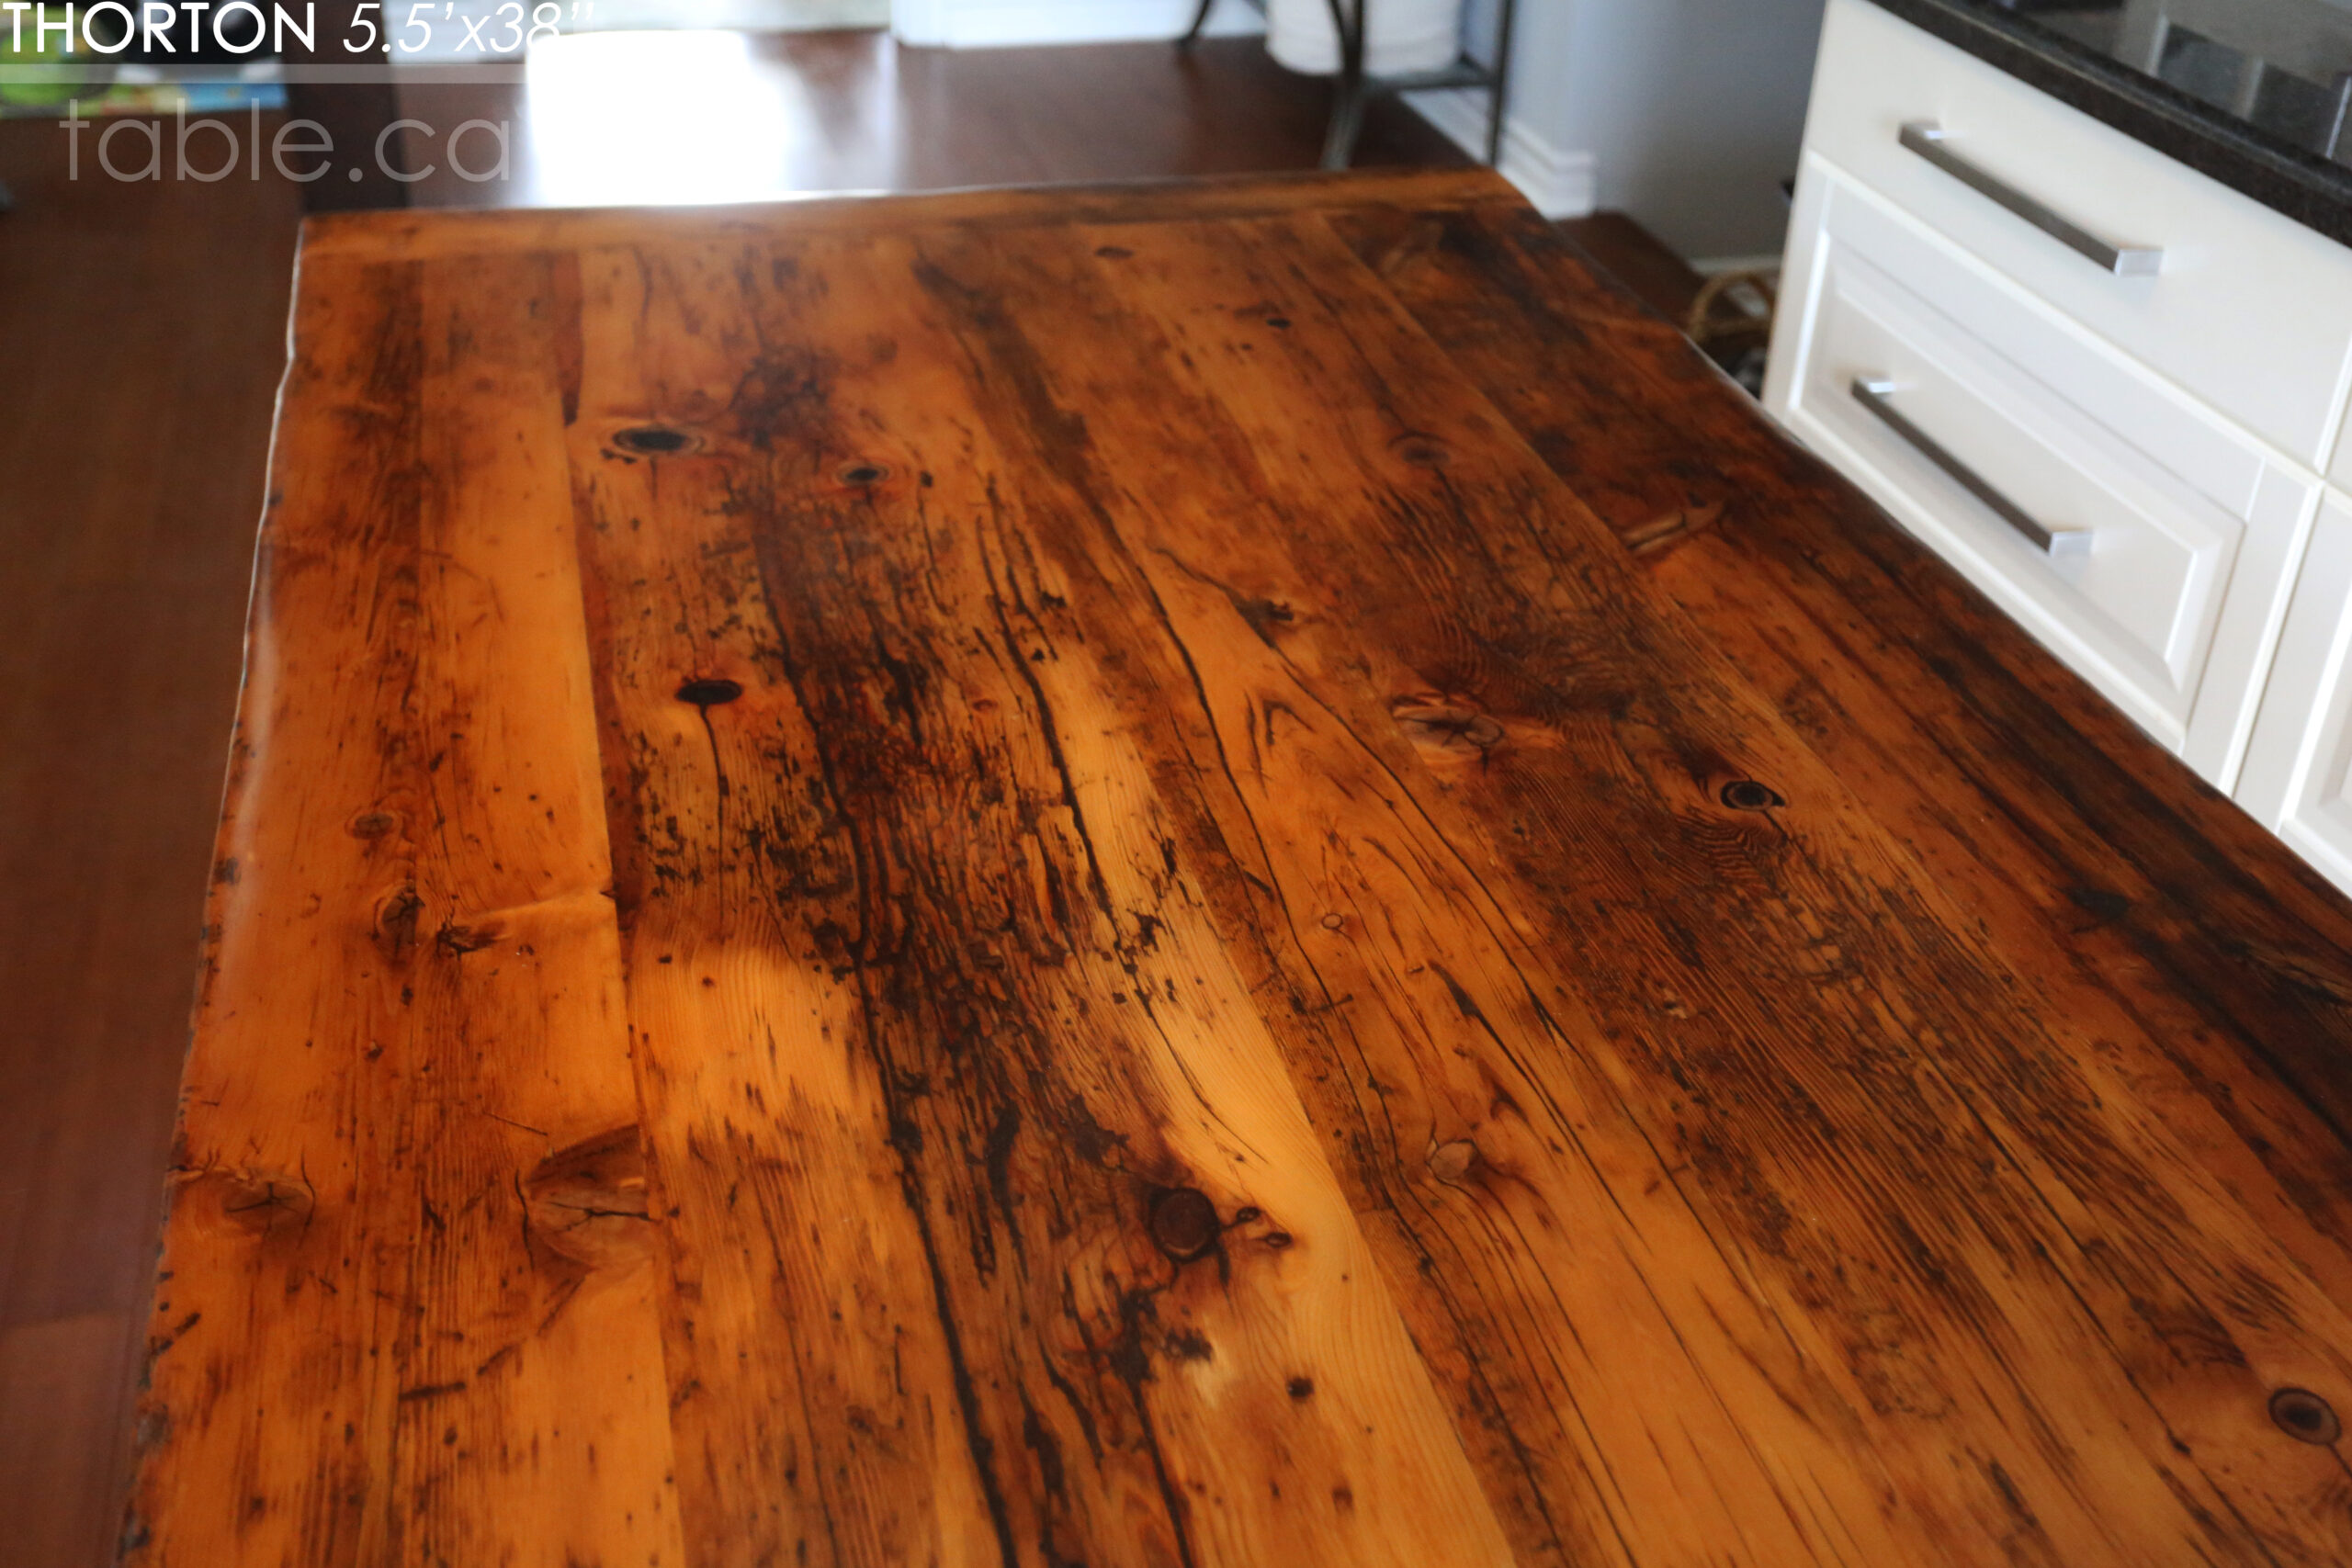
x,y
396,919
863,473
656,440
249,1203
1434,723
709,691
1267,617
2305,1417
458,940
1421,451
1183,1224
1450,1162
587,1203
1746,795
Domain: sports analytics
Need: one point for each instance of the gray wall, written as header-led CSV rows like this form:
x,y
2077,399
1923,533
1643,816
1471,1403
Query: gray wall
x,y
1691,110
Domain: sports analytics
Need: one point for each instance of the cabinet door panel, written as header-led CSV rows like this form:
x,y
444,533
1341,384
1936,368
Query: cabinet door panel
x,y
2185,532
2299,769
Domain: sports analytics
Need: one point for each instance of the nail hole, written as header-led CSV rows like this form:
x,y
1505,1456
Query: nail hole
x,y
655,440
708,692
1112,252
2305,1417
1746,795
863,474
1302,1388
1184,1222
1278,322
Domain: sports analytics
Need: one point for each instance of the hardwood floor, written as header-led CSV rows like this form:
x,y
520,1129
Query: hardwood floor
x,y
866,114
142,330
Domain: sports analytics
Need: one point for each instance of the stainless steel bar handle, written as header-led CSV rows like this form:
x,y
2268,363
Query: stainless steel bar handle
x,y
1876,394
1927,140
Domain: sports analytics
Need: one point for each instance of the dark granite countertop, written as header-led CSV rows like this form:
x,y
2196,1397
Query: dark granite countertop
x,y
2256,97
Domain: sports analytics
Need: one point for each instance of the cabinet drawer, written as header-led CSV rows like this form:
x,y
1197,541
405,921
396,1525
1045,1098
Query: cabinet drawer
x,y
2181,530
2248,311
2297,777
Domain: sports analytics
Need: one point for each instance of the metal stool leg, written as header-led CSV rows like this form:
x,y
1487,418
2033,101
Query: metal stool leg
x,y
1199,20
1501,101
1346,104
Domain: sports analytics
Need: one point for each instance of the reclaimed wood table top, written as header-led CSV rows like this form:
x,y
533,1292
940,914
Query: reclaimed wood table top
x,y
1231,873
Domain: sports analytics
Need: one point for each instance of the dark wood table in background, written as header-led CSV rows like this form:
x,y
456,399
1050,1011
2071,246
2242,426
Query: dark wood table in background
x,y
1227,874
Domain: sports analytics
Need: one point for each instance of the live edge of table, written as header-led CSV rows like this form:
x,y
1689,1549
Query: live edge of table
x,y
1228,874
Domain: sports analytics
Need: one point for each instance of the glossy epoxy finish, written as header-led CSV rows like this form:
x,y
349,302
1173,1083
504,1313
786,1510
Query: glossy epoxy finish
x,y
1231,873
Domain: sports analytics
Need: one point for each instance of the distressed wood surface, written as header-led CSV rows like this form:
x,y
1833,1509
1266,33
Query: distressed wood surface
x,y
1223,875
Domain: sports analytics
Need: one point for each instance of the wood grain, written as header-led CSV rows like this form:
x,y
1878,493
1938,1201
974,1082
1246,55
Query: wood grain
x,y
1197,963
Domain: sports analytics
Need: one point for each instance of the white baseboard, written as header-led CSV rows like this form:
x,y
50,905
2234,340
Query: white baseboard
x,y
991,24
1561,183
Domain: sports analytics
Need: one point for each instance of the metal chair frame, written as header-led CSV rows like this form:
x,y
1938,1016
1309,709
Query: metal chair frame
x,y
1355,89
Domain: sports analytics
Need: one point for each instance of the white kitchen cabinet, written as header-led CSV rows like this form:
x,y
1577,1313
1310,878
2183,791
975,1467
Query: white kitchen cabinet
x,y
2340,472
1980,418
2246,307
2299,772
2112,393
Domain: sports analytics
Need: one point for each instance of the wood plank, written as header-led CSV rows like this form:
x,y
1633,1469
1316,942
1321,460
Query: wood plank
x,y
421,236
815,1403
406,1312
1624,251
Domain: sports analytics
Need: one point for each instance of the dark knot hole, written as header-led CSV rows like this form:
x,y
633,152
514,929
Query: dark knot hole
x,y
708,691
1746,795
654,440
1183,1224
2304,1415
